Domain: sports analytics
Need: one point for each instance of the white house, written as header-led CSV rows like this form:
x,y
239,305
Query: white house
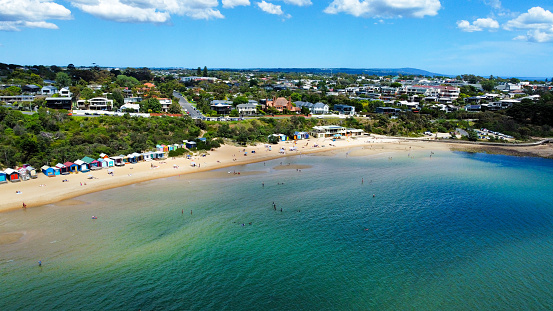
x,y
64,92
48,90
165,103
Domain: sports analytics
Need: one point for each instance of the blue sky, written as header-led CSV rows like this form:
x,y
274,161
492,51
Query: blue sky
x,y
483,37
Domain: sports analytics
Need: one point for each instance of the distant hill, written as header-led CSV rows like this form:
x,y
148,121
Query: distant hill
x,y
368,71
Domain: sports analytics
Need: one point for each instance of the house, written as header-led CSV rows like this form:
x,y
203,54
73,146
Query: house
x,y
30,89
3,178
345,109
58,103
48,171
282,104
12,175
64,92
334,131
129,106
190,144
48,90
23,174
64,170
387,110
247,109
317,108
473,108
221,106
96,103
165,103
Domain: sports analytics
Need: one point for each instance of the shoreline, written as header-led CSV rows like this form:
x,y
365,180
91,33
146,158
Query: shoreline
x,y
48,190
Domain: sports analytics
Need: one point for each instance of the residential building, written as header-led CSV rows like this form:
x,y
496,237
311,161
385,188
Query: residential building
x,y
345,109
222,107
59,103
247,109
165,103
96,103
48,90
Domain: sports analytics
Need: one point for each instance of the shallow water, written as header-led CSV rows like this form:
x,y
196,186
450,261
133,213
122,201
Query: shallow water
x,y
456,231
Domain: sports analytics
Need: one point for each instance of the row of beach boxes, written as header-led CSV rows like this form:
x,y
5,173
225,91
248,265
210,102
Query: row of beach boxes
x,y
87,164
25,172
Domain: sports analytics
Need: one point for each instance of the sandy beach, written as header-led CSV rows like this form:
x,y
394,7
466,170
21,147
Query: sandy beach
x,y
46,190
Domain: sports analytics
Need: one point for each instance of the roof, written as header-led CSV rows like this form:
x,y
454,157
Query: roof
x,y
68,163
87,159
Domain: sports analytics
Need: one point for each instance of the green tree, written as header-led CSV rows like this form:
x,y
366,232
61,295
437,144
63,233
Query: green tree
x,y
12,91
488,85
174,108
199,72
205,71
233,113
150,105
238,100
304,110
62,80
296,97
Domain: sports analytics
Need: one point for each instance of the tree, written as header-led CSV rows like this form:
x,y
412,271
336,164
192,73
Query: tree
x,y
488,85
205,71
239,100
175,108
150,105
305,110
12,90
62,79
296,97
199,72
233,113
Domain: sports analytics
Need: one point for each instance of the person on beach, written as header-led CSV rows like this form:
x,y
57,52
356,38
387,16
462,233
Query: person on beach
x,y
24,205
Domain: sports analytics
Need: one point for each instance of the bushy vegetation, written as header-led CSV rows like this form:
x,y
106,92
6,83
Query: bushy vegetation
x,y
50,136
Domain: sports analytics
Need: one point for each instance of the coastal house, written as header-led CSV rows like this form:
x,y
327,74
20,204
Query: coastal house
x,y
12,175
345,109
3,178
96,103
48,171
222,107
165,103
64,92
30,89
247,109
48,90
59,103
282,104
334,131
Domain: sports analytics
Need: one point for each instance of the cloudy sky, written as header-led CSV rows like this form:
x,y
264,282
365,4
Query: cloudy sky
x,y
483,37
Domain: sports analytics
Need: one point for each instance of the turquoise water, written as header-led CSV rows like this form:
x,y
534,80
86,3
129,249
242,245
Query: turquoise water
x,y
456,231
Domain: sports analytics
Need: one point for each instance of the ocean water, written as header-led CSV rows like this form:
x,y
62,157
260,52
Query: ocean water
x,y
454,231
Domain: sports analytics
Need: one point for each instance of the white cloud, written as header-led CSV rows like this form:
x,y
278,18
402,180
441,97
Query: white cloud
x,y
16,14
478,25
539,23
233,3
298,2
270,8
385,8
496,4
148,11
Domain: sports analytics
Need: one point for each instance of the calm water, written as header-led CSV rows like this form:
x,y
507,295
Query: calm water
x,y
453,232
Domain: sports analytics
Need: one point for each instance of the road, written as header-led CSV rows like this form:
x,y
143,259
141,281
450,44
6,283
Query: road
x,y
186,106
